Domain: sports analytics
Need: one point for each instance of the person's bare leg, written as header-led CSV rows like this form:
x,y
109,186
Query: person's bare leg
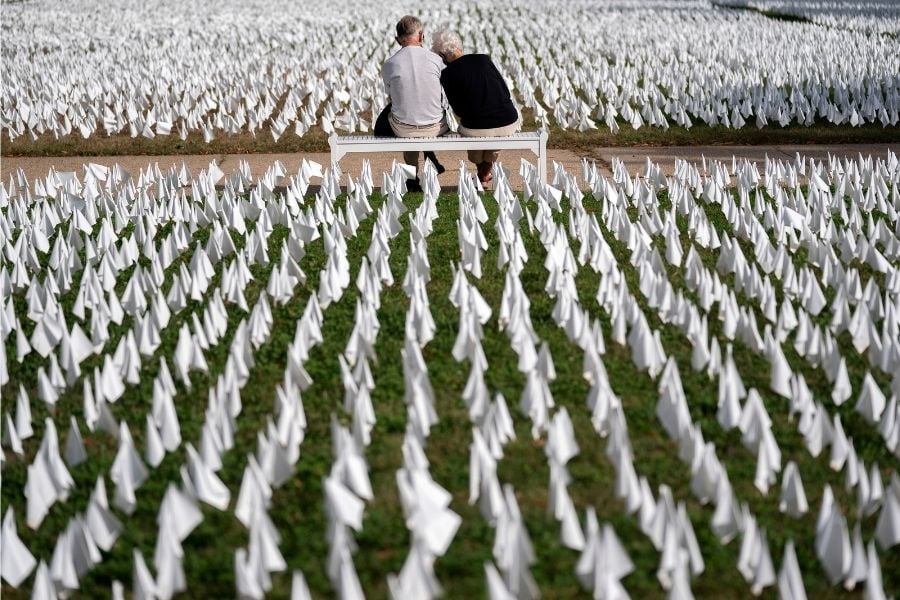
x,y
484,171
411,157
475,156
490,157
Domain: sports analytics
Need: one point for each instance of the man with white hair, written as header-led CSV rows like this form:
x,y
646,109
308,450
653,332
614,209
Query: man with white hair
x,y
412,80
478,95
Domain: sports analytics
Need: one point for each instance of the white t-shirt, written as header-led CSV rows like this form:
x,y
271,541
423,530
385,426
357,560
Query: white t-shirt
x,y
412,80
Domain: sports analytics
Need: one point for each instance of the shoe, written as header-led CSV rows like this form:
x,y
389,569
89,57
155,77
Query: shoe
x,y
412,185
434,161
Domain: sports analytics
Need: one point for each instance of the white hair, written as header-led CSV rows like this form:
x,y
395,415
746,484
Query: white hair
x,y
446,42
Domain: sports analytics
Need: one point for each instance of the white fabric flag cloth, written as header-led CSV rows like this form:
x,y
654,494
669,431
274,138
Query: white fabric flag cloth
x,y
604,561
102,523
496,587
887,530
16,561
44,588
299,589
128,472
48,478
793,497
790,579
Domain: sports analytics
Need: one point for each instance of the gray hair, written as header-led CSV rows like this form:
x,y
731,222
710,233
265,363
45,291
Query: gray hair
x,y
408,26
445,42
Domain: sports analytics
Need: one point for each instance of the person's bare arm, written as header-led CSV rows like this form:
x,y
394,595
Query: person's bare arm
x,y
385,78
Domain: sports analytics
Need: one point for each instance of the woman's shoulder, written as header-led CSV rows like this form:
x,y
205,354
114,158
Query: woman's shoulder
x,y
470,62
478,58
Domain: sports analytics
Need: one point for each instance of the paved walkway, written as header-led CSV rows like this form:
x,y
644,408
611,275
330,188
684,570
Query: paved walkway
x,y
350,164
634,157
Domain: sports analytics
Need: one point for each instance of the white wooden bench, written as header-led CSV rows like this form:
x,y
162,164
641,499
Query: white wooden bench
x,y
536,141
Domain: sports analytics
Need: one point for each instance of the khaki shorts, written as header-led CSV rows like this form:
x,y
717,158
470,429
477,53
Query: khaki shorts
x,y
480,156
403,130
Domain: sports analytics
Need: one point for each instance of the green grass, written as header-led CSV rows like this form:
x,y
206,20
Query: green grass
x,y
298,507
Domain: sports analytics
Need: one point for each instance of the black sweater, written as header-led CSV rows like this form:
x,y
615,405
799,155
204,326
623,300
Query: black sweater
x,y
477,93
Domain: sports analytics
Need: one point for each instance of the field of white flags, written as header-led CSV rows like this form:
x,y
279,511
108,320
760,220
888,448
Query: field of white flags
x,y
612,384
277,68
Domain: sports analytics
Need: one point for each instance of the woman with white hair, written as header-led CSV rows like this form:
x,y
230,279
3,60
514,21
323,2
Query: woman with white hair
x,y
478,95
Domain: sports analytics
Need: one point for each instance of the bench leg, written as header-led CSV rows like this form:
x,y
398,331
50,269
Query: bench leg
x,y
542,165
336,153
542,159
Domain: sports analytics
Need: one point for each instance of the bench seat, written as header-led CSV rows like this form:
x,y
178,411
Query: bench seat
x,y
535,141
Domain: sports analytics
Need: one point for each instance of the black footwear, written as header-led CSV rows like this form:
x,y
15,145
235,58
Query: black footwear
x,y
412,185
437,166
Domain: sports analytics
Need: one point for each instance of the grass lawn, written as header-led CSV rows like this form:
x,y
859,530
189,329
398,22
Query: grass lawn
x,y
298,507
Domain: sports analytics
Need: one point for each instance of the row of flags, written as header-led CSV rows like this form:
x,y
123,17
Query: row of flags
x,y
718,267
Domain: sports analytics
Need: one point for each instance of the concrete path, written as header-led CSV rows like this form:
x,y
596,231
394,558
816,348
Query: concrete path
x,y
635,159
350,164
